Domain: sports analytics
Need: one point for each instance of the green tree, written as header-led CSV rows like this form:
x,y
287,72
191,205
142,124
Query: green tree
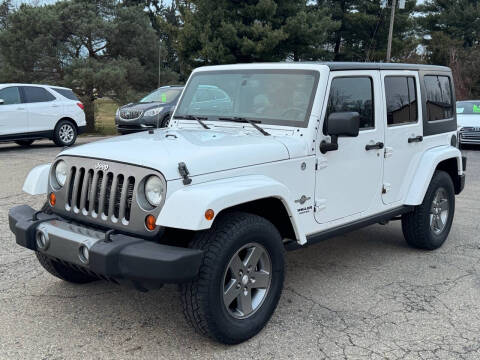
x,y
224,31
363,30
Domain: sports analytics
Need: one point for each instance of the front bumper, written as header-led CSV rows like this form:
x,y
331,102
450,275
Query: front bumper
x,y
116,257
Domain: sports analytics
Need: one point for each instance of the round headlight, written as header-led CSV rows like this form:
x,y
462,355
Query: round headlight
x,y
154,190
61,172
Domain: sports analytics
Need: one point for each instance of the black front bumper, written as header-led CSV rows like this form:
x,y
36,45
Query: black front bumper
x,y
117,257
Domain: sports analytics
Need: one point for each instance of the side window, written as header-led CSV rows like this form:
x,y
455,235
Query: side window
x,y
35,94
439,97
353,94
10,95
401,98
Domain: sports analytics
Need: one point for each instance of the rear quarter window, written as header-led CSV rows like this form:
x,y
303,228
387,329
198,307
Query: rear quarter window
x,y
439,97
66,93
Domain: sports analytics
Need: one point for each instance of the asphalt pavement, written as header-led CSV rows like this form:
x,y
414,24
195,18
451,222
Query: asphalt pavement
x,y
365,295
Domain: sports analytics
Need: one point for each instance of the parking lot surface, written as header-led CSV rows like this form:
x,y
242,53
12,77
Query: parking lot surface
x,y
362,295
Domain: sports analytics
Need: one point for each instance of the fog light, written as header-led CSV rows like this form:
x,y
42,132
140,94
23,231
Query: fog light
x,y
42,240
83,254
52,199
150,222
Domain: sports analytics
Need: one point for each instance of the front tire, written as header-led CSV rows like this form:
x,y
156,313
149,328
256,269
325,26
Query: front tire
x,y
240,280
63,272
428,226
65,133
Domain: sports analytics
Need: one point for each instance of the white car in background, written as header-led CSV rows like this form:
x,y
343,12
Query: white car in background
x,y
30,112
468,121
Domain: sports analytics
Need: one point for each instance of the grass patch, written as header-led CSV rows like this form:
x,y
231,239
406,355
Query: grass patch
x,y
105,109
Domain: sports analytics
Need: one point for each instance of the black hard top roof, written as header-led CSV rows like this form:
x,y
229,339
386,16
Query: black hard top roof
x,y
382,66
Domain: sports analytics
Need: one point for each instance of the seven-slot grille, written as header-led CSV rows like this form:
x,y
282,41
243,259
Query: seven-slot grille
x,y
130,114
100,194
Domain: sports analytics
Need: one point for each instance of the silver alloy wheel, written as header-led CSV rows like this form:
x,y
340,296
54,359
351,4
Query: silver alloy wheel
x,y
439,211
246,280
66,133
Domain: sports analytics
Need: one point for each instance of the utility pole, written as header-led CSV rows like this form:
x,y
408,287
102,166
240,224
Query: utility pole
x,y
390,31
159,61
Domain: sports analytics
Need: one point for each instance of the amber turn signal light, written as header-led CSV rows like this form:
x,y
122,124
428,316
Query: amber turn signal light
x,y
209,214
52,199
150,222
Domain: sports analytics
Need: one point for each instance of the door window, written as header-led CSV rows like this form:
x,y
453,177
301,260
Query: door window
x,y
35,94
439,97
353,94
10,95
401,98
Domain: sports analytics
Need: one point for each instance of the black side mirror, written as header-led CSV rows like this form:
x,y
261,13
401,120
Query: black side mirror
x,y
340,124
343,124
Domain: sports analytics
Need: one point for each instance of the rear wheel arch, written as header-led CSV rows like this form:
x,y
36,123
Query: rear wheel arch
x,y
66,118
451,167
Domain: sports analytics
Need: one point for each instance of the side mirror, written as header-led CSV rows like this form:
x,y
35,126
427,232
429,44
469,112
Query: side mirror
x,y
340,124
2,101
343,124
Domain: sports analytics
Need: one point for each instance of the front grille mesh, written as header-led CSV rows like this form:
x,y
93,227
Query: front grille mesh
x,y
130,114
100,194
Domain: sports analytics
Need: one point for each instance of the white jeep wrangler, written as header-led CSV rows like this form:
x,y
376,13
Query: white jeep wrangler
x,y
258,158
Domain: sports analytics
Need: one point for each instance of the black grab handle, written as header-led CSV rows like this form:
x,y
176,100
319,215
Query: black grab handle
x,y
378,145
415,139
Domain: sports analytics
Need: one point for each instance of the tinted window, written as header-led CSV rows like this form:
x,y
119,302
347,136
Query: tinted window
x,y
401,98
439,97
36,94
353,94
468,107
10,95
66,93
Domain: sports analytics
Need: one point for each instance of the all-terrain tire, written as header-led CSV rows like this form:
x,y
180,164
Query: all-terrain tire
x,y
416,225
203,299
63,272
65,133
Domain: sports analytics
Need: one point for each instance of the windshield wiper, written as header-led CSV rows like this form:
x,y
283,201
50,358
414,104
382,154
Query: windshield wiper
x,y
191,117
245,120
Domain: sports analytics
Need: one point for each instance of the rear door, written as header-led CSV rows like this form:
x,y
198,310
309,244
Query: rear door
x,y
348,180
13,115
44,110
403,132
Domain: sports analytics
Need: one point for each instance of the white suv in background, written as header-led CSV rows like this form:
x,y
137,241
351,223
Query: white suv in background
x,y
30,112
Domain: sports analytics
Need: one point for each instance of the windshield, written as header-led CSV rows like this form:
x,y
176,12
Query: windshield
x,y
277,97
162,95
468,107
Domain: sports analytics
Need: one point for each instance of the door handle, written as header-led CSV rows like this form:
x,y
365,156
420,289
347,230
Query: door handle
x,y
415,139
377,146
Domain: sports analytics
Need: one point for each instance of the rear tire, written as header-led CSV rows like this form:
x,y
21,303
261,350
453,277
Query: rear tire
x,y
240,279
428,226
24,143
63,272
65,133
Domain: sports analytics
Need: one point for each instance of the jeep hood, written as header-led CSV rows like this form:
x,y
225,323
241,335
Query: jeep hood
x,y
203,151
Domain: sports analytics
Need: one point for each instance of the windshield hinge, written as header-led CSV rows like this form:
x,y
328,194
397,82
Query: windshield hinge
x,y
182,169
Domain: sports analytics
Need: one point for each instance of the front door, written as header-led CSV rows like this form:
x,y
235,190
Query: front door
x,y
13,115
403,132
348,180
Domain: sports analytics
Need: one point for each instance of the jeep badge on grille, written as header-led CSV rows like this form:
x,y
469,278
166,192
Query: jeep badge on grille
x,y
101,166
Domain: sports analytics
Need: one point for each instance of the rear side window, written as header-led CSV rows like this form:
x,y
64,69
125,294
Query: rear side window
x,y
352,94
35,94
66,93
10,95
439,97
401,98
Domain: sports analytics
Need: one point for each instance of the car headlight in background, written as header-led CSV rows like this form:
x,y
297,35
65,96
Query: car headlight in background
x,y
154,190
153,112
61,172
117,114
